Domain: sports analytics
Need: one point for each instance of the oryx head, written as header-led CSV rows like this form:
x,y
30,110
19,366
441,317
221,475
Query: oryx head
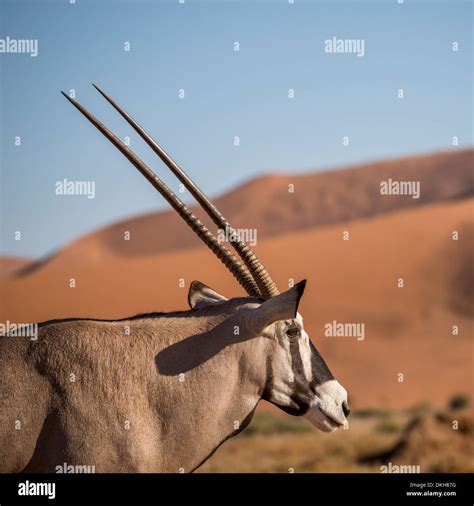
x,y
298,379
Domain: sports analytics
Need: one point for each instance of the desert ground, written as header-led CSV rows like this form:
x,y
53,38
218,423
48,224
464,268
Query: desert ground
x,y
408,379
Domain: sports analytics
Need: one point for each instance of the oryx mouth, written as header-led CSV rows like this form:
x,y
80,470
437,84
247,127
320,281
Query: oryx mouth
x,y
332,420
330,409
326,420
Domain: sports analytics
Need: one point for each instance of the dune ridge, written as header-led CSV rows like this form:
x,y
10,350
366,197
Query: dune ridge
x,y
265,204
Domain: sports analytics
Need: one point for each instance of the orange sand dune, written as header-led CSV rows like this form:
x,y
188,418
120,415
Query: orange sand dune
x,y
407,330
265,204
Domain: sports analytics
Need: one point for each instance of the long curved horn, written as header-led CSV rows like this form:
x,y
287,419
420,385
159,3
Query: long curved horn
x,y
265,283
238,270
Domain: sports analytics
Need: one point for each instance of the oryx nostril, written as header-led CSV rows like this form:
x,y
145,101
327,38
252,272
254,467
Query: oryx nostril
x,y
345,408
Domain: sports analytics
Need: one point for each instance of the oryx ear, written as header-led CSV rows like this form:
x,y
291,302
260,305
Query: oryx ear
x,y
280,307
201,295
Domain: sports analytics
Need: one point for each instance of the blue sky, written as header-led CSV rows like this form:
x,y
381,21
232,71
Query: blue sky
x,y
190,46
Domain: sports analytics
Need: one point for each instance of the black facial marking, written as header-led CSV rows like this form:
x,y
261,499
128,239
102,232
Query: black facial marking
x,y
296,361
301,388
320,372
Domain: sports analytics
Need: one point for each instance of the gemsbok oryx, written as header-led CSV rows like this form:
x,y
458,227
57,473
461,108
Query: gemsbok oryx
x,y
161,392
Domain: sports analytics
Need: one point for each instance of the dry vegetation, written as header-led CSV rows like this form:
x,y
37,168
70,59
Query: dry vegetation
x,y
420,436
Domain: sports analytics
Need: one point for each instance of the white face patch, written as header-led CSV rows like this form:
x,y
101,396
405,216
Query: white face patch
x,y
305,350
327,413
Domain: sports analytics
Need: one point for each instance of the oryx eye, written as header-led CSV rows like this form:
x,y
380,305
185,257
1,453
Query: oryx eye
x,y
293,331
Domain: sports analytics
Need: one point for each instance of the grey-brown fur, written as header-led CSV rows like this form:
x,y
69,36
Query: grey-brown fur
x,y
184,381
